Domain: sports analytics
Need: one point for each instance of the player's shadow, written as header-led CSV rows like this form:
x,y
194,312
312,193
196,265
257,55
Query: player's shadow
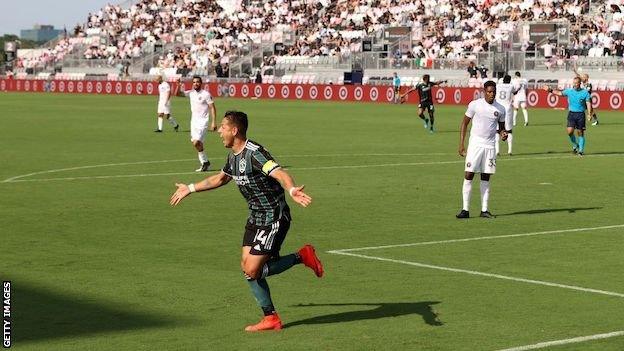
x,y
550,210
565,152
379,310
41,314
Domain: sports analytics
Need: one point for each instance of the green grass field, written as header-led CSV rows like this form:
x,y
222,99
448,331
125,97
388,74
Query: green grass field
x,y
100,261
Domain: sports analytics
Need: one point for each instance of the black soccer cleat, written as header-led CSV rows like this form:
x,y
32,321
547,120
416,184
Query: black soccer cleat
x,y
580,154
177,128
158,131
463,214
575,150
486,214
204,167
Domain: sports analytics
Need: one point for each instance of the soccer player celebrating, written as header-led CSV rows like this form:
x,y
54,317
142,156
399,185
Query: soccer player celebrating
x,y
426,100
261,181
505,92
488,119
579,102
164,105
201,105
519,101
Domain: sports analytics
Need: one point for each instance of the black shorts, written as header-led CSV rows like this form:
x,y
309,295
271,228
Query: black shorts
x,y
266,240
427,105
576,120
397,89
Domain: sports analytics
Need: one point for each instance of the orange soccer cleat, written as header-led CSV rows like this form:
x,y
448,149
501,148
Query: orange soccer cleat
x,y
309,259
271,322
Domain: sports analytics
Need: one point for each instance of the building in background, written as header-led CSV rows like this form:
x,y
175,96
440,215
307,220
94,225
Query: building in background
x,y
40,33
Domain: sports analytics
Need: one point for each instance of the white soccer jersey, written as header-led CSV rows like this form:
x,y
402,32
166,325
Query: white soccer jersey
x,y
520,84
485,118
199,106
504,93
164,90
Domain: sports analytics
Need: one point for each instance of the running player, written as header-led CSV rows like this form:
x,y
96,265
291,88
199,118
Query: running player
x,y
261,181
505,92
488,119
426,100
164,105
519,101
585,84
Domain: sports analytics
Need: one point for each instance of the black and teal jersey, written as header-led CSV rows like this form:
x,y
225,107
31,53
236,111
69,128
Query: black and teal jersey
x,y
250,169
424,91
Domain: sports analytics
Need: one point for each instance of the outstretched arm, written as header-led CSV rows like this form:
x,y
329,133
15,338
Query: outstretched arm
x,y
288,183
440,82
555,91
209,183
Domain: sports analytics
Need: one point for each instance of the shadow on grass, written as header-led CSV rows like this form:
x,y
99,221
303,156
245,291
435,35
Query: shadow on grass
x,y
569,152
549,210
380,310
40,314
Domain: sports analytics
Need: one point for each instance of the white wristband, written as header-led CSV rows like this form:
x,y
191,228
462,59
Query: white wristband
x,y
192,187
291,191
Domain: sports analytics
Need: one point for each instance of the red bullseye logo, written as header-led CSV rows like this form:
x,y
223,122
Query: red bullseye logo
x,y
271,91
232,90
62,87
98,87
476,95
150,88
285,92
27,85
109,87
258,90
358,93
457,96
245,90
70,87
299,92
89,87
533,98
80,87
343,93
595,99
2,85
128,88
373,94
313,93
139,88
52,86
118,88
552,100
389,94
440,95
615,101
328,93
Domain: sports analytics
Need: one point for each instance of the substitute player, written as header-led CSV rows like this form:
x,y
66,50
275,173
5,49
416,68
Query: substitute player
x,y
505,91
203,111
261,181
579,103
519,101
164,105
585,84
488,119
426,100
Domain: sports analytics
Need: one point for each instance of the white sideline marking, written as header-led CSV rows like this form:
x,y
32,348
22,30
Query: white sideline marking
x,y
424,243
579,339
483,274
17,178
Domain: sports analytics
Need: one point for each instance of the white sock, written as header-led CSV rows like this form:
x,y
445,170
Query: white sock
x,y
466,193
496,146
202,157
509,142
160,123
526,115
515,113
485,195
172,121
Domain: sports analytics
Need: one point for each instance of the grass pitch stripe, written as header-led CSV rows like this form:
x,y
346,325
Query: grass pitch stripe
x,y
483,274
577,340
425,243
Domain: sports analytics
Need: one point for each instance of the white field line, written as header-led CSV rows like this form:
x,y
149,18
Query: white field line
x,y
494,237
576,340
18,178
483,274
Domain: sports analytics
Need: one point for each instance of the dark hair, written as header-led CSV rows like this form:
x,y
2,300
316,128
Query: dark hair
x,y
239,119
507,78
517,74
489,83
426,76
198,77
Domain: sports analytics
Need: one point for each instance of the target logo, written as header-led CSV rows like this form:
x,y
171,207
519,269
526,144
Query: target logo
x,y
118,88
219,90
552,100
373,94
98,87
299,92
2,85
53,86
109,87
150,88
61,87
128,88
232,90
440,95
313,93
533,98
390,94
27,85
89,87
258,90
139,88
343,93
476,95
457,96
615,101
285,92
271,91
595,99
328,93
245,90
80,87
70,87
358,93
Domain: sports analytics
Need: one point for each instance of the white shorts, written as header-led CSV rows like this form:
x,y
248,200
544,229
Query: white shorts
x,y
480,160
198,133
508,117
519,103
164,109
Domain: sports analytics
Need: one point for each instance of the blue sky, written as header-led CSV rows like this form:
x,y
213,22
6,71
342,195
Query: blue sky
x,y
24,14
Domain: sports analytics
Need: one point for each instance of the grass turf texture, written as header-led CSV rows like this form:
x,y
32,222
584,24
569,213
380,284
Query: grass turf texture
x,y
105,263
